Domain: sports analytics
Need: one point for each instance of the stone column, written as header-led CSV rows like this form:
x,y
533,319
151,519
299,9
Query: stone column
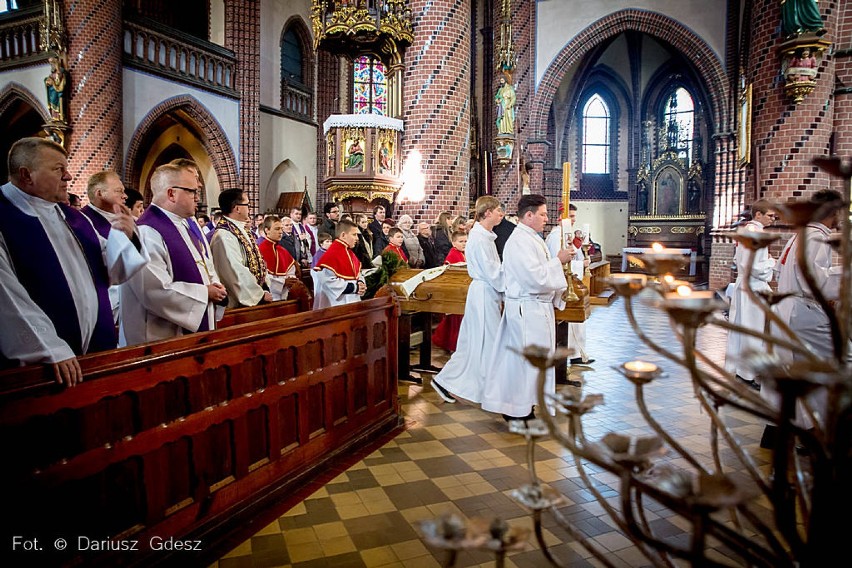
x,y
437,103
94,143
242,36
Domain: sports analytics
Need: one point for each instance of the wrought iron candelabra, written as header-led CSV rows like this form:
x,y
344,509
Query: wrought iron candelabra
x,y
792,515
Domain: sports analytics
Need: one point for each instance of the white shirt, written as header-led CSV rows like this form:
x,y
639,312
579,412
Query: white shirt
x,y
230,258
28,334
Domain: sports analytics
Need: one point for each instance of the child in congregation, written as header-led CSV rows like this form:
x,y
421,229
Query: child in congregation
x,y
324,242
337,276
446,334
396,238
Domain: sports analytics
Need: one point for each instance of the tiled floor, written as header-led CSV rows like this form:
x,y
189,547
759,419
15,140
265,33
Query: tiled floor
x,y
458,459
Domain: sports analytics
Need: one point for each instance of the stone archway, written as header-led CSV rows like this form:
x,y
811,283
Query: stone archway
x,y
694,49
21,115
210,134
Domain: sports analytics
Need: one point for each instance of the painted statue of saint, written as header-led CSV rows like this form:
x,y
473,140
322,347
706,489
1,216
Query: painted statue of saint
x,y
801,16
55,84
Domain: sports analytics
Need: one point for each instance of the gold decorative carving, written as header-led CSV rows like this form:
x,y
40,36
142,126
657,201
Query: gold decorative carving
x,y
682,230
345,20
699,231
650,230
744,124
800,61
668,156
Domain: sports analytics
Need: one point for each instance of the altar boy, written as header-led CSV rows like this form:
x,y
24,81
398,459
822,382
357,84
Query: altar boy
x,y
337,277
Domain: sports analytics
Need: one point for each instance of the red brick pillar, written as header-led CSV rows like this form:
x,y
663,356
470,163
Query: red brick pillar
x,y
437,103
328,103
242,36
843,93
95,94
505,179
786,136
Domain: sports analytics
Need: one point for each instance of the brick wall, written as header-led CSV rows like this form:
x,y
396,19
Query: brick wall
x,y
242,36
438,104
94,108
328,97
785,136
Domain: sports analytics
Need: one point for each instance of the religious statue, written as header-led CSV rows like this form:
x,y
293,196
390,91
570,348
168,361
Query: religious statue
x,y
642,198
802,66
55,84
505,100
355,156
693,197
801,16
385,160
668,192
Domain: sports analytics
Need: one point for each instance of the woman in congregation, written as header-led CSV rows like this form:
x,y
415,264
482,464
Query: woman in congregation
x,y
416,259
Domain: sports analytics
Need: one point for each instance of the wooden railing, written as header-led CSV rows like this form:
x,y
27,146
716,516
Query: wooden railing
x,y
190,437
296,101
179,56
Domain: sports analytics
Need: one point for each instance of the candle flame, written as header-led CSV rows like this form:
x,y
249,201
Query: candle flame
x,y
640,366
413,180
684,290
657,247
668,278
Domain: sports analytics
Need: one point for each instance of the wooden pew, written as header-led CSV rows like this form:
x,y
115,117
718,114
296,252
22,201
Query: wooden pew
x,y
600,293
193,436
236,316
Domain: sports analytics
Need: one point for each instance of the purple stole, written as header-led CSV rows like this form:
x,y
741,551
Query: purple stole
x,y
184,267
39,271
102,226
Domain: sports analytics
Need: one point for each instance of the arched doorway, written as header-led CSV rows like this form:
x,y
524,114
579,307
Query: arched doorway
x,y
20,116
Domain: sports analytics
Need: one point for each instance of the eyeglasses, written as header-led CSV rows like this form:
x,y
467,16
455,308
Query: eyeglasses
x,y
245,204
188,190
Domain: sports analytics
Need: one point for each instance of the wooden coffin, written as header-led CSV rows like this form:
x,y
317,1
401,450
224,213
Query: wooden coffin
x,y
447,293
192,437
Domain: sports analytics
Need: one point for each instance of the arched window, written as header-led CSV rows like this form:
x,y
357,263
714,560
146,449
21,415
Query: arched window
x,y
678,122
291,58
8,5
596,136
369,86
296,75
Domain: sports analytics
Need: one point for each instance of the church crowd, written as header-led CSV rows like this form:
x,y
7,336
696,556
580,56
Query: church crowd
x,y
114,273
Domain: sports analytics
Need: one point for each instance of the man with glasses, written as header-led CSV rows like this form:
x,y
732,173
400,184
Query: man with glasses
x,y
240,264
332,216
743,311
176,292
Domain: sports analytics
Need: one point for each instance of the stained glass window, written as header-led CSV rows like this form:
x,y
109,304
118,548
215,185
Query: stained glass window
x,y
596,136
6,6
369,92
679,121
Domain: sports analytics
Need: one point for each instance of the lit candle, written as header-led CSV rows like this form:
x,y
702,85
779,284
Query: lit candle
x,y
640,366
640,371
657,247
566,188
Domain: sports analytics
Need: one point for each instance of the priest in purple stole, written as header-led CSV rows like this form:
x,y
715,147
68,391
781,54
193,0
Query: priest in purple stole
x,y
176,292
55,269
106,195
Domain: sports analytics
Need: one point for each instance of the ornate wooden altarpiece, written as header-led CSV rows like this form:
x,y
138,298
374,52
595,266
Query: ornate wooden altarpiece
x,y
363,160
670,205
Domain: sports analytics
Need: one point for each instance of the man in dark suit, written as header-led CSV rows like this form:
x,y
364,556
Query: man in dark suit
x,y
430,254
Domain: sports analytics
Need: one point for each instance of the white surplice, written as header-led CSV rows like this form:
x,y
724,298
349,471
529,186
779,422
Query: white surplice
x,y
28,335
465,373
231,262
153,305
576,340
743,311
800,311
534,286
329,289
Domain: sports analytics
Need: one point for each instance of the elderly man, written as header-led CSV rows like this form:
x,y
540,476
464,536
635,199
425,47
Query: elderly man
x,y
106,193
427,245
53,283
304,238
175,293
534,286
235,253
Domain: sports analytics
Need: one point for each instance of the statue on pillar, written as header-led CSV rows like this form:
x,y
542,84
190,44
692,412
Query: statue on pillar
x,y
801,17
505,99
55,84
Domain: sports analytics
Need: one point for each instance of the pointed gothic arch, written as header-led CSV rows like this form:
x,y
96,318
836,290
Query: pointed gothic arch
x,y
191,114
693,48
21,115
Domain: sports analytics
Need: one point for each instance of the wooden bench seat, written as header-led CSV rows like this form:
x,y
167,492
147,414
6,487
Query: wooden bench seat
x,y
192,436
